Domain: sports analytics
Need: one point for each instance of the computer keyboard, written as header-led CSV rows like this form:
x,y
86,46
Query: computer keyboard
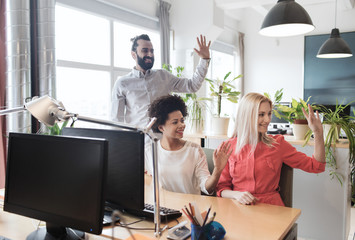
x,y
166,214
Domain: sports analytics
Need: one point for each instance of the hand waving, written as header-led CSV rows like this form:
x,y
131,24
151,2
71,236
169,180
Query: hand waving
x,y
313,119
221,155
204,50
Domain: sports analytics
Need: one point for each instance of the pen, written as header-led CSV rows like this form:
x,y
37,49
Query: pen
x,y
208,212
214,215
187,215
192,209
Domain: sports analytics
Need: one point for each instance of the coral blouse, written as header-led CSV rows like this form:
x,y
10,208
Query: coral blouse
x,y
259,172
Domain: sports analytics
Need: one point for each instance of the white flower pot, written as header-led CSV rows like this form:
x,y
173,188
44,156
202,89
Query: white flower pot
x,y
299,131
326,128
219,125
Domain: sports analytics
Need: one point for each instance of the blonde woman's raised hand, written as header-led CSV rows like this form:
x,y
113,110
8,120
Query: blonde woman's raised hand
x,y
313,119
221,156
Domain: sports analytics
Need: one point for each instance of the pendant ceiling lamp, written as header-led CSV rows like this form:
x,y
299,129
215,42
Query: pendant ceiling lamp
x,y
286,18
335,46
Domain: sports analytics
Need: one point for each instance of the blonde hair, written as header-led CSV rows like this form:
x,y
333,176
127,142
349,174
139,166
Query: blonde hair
x,y
246,124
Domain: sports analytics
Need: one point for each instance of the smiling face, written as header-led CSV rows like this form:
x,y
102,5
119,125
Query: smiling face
x,y
174,126
144,55
264,116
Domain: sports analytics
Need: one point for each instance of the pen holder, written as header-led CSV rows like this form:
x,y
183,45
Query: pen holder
x,y
213,230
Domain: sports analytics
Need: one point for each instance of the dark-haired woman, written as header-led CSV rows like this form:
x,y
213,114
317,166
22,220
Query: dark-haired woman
x,y
182,164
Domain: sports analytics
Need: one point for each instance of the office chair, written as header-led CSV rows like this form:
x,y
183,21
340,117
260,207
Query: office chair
x,y
286,185
209,158
286,190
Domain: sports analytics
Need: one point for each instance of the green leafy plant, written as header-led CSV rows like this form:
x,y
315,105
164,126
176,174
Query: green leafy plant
x,y
178,69
223,89
277,96
195,108
293,113
337,120
275,100
56,129
195,105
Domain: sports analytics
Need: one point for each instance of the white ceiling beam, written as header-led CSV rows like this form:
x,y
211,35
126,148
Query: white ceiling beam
x,y
261,10
237,4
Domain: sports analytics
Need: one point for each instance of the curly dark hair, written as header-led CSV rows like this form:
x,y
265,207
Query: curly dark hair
x,y
136,38
164,105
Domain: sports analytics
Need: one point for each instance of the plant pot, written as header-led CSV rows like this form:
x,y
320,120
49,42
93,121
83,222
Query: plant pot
x,y
326,129
300,129
219,125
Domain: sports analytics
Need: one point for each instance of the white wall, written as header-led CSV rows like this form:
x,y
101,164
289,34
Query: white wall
x,y
274,63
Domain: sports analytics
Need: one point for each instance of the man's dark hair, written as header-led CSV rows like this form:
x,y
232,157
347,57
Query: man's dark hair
x,y
136,38
164,105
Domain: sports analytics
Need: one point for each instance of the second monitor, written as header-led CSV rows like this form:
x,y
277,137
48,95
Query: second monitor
x,y
125,175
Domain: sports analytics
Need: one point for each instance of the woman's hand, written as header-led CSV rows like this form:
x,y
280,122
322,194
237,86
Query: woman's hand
x,y
314,121
245,198
315,125
221,156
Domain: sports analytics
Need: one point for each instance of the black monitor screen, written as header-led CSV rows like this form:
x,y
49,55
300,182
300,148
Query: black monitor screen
x,y
57,179
125,177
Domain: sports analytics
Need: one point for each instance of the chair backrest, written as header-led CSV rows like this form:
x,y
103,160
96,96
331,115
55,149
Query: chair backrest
x,y
286,185
209,158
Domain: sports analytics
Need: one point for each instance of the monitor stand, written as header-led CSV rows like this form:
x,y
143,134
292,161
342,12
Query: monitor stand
x,y
55,232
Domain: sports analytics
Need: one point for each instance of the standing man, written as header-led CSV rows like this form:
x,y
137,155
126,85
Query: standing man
x,y
134,92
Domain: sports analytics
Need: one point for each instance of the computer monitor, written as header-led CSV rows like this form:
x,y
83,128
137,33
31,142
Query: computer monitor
x,y
125,178
60,180
277,120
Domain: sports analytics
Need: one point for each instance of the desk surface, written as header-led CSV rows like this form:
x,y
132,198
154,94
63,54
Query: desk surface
x,y
260,221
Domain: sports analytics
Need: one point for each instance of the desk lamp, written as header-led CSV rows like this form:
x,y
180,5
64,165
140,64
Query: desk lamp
x,y
49,111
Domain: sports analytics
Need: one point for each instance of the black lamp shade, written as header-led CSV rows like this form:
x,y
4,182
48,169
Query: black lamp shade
x,y
334,47
286,18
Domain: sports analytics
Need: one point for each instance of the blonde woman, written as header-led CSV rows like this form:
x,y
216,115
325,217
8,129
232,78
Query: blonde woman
x,y
253,170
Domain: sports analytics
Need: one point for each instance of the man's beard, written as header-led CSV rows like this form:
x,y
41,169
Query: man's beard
x,y
143,64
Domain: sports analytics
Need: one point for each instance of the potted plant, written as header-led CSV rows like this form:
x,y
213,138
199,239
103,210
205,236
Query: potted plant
x,y
56,129
222,89
333,122
195,105
195,109
294,115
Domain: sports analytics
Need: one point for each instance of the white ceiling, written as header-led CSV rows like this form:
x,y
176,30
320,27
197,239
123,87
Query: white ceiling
x,y
231,7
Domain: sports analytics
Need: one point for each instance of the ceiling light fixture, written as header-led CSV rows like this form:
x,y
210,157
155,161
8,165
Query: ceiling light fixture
x,y
335,46
287,18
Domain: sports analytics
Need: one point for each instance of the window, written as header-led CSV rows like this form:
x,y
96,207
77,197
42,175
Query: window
x,y
92,50
82,37
122,34
222,63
